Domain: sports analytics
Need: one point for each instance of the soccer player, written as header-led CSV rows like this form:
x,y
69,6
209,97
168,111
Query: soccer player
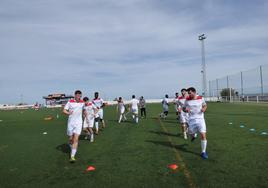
x,y
121,108
176,103
183,116
90,113
196,106
74,109
99,103
134,108
142,106
165,105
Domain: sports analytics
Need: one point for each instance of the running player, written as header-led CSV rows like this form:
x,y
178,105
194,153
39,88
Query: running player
x,y
196,106
176,103
90,113
121,109
165,105
99,103
183,116
74,109
134,108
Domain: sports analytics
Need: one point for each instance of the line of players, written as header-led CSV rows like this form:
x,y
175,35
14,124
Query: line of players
x,y
92,113
190,109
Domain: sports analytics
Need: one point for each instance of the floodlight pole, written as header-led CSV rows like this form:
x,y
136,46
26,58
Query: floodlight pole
x,y
203,71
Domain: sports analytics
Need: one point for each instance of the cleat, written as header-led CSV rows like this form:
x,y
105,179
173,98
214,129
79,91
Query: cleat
x,y
72,160
204,155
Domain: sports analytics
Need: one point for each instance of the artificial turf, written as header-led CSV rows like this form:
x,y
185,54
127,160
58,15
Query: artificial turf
x,y
130,155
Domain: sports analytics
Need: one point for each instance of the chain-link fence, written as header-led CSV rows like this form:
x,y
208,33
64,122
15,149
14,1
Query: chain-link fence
x,y
251,85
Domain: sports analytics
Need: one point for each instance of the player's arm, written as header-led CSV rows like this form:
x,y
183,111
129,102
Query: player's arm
x,y
204,108
179,108
66,109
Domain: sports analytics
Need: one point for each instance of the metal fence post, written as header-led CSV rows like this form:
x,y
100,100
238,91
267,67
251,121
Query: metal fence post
x,y
261,80
242,84
217,87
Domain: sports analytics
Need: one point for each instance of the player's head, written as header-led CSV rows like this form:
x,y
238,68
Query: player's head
x,y
183,91
120,99
96,95
191,91
77,95
141,97
133,96
176,94
85,99
166,95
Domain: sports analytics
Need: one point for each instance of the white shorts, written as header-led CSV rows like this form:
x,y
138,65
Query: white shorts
x,y
122,110
90,124
74,129
184,117
197,125
134,110
100,113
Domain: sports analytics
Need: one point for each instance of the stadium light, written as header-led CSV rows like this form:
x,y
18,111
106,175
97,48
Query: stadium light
x,y
203,70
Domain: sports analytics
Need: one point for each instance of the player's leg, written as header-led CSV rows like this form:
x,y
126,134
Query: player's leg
x,y
74,147
101,118
97,125
192,130
183,127
120,117
90,129
85,129
202,130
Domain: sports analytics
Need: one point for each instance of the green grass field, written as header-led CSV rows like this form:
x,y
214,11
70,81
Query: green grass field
x,y
126,155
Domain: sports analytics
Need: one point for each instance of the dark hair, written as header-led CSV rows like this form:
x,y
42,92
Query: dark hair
x,y
176,93
120,98
191,89
133,96
77,92
85,99
183,89
166,95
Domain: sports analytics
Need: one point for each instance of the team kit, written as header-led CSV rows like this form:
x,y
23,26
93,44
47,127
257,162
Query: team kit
x,y
88,116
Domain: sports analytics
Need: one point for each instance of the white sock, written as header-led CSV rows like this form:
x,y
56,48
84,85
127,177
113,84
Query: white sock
x,y
97,126
92,137
120,118
125,117
73,152
203,145
137,119
133,116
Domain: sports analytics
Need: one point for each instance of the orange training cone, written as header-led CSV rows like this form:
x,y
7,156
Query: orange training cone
x,y
173,166
90,168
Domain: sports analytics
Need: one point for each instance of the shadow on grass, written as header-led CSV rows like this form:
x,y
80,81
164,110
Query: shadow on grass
x,y
164,133
64,148
181,147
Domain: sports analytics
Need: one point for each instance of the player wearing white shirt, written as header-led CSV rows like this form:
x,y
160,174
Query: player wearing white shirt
x,y
121,109
196,106
134,108
165,105
90,113
74,109
99,103
176,103
183,116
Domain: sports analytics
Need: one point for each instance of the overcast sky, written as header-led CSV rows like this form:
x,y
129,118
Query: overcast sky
x,y
119,48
